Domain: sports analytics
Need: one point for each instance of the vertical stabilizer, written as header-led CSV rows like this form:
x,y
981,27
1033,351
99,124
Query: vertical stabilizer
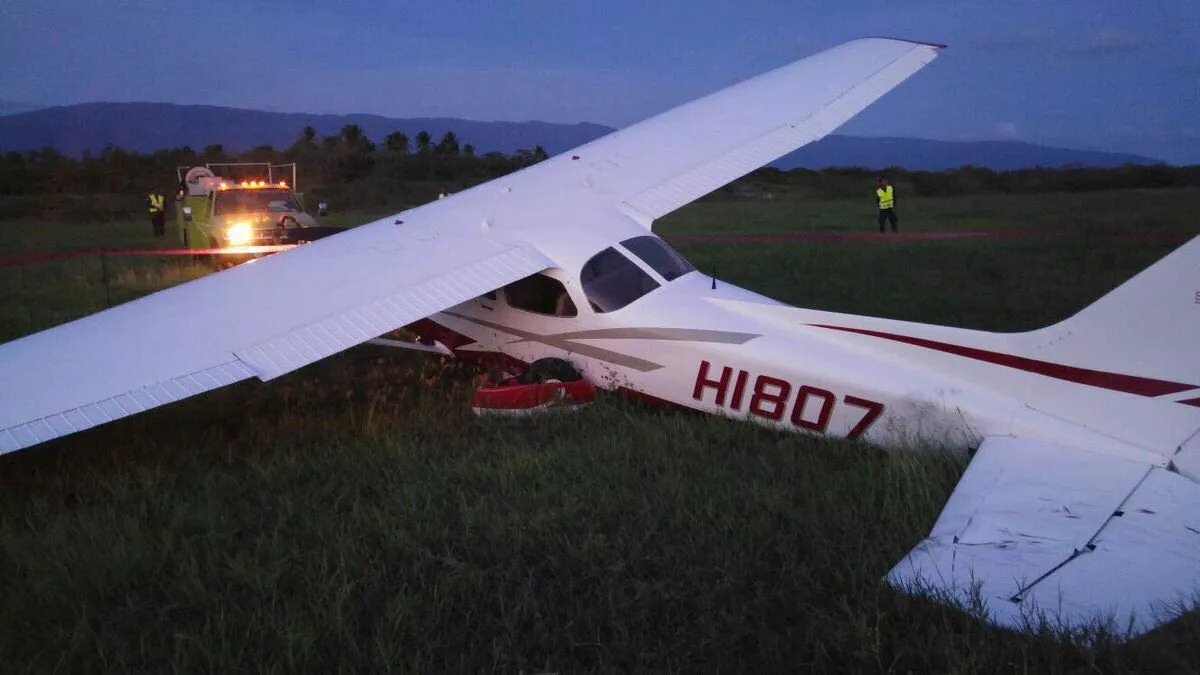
x,y
1149,326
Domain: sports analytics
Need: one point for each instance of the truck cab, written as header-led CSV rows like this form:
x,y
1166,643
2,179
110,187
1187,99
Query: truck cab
x,y
223,212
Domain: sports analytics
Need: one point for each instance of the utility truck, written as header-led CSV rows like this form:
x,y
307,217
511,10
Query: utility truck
x,y
243,207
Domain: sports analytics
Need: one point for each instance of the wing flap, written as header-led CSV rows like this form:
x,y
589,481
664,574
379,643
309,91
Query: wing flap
x,y
1036,530
306,344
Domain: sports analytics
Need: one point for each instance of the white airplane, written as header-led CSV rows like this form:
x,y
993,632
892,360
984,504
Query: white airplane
x,y
1082,498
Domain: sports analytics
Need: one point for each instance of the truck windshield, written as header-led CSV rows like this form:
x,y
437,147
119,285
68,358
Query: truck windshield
x,y
249,201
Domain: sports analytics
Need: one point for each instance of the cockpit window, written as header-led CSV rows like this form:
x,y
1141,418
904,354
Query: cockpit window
x,y
662,258
611,281
539,293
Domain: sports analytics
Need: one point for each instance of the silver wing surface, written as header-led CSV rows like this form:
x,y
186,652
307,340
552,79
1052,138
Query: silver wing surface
x,y
660,164
1039,532
249,321
246,321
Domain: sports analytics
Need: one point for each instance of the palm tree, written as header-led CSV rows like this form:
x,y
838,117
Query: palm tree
x,y
468,150
397,142
304,144
423,141
352,134
356,139
448,145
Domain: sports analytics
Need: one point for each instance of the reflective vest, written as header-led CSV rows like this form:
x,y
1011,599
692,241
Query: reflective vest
x,y
885,197
156,203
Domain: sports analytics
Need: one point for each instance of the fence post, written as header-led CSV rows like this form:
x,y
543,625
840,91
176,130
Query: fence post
x,y
104,275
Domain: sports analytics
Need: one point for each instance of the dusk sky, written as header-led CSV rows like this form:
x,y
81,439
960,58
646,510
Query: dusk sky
x,y
1104,74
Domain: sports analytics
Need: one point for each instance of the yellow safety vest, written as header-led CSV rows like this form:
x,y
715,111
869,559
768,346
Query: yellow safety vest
x,y
885,197
156,203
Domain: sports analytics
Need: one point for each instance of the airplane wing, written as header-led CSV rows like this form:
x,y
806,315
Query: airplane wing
x,y
665,162
654,167
1036,531
247,321
250,321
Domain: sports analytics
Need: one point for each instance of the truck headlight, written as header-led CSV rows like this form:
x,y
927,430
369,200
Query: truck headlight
x,y
239,234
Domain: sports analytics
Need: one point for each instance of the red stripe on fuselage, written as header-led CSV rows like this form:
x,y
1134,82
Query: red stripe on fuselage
x,y
1130,384
1192,401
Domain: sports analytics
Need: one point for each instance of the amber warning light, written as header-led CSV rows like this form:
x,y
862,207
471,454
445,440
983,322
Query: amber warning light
x,y
254,184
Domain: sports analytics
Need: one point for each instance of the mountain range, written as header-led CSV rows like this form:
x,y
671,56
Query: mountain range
x,y
12,107
146,127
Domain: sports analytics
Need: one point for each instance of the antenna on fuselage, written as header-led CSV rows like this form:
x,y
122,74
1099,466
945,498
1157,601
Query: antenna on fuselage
x,y
714,276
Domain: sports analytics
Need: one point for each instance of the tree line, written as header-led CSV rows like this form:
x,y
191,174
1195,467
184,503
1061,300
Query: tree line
x,y
851,182
353,172
345,157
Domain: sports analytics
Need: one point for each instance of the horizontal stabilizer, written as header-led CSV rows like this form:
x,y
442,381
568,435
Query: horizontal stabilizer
x,y
1037,532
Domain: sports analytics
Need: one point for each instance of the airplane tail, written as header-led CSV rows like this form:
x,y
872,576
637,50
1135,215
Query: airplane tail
x,y
1149,326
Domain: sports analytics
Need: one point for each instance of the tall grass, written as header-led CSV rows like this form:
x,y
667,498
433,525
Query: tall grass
x,y
354,516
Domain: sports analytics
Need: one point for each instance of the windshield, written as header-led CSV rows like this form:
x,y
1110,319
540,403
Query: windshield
x,y
611,281
248,201
660,257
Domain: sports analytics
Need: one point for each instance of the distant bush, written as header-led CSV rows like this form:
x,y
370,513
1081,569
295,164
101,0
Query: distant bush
x,y
84,208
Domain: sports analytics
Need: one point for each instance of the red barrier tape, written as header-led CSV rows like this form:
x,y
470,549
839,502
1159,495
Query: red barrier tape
x,y
34,257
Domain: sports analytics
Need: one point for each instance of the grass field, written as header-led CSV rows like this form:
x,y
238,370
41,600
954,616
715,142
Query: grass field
x,y
355,516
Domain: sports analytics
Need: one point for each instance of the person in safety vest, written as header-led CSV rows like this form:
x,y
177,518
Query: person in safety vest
x,y
886,196
154,202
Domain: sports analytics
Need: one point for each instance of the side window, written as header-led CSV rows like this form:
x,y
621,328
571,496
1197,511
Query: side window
x,y
541,294
660,257
611,281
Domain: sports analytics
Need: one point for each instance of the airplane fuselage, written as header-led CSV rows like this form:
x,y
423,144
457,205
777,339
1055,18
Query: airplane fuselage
x,y
729,351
